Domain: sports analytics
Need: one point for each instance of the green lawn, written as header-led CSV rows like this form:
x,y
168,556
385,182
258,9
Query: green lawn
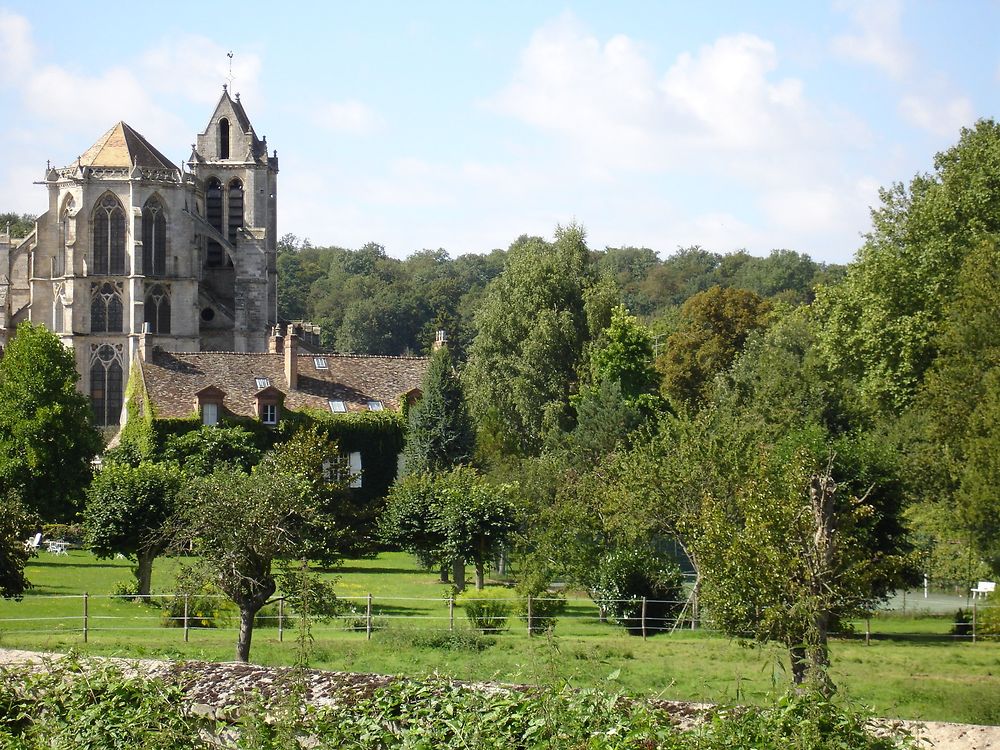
x,y
911,669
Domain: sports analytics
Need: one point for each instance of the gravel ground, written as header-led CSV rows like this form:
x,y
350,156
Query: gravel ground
x,y
212,687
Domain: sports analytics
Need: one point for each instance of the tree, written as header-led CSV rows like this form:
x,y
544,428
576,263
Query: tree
x,y
47,438
127,508
811,536
881,323
440,435
20,225
453,516
242,523
202,451
532,326
714,326
15,523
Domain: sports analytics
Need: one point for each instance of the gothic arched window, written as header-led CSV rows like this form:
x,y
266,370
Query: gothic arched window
x,y
106,308
223,138
59,260
109,236
106,384
154,239
213,214
158,308
235,210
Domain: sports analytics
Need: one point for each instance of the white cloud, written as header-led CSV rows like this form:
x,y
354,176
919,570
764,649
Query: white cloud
x,y
16,49
878,39
350,116
195,67
944,114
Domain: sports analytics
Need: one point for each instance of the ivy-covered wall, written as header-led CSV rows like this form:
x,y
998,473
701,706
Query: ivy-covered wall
x,y
378,436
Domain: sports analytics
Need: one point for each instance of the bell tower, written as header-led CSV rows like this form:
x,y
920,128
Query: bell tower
x,y
236,230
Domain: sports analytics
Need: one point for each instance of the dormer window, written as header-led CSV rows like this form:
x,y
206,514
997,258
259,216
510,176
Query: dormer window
x,y
375,406
210,402
320,363
262,383
337,406
269,413
210,414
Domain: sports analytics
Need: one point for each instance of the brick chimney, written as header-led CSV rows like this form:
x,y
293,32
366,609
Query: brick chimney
x,y
292,359
276,342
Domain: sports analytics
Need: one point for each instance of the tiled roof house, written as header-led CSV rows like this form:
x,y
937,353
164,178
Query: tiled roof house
x,y
242,384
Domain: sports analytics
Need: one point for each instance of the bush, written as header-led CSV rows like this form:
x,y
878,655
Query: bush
x,y
546,606
489,609
126,588
626,576
962,623
267,617
988,621
207,608
68,532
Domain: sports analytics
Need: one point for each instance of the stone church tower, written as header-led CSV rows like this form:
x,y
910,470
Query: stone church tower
x,y
137,251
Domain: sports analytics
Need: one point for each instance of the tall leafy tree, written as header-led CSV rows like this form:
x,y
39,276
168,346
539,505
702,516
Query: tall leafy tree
x,y
532,327
127,508
47,437
881,323
15,523
440,434
714,326
19,225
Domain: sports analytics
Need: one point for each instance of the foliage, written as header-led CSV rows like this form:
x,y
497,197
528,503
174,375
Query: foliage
x,y
624,354
546,605
74,704
207,449
47,438
489,609
988,621
626,576
440,434
531,329
881,323
127,508
206,604
714,325
812,535
242,523
458,515
74,533
15,526
20,225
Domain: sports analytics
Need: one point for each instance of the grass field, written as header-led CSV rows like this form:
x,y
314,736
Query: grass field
x,y
912,669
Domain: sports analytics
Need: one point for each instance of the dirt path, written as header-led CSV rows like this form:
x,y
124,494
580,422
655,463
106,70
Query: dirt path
x,y
211,686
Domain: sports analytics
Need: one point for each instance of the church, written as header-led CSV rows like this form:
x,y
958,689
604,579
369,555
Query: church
x,y
135,249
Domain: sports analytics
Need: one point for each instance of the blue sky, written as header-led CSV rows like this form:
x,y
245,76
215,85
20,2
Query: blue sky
x,y
464,125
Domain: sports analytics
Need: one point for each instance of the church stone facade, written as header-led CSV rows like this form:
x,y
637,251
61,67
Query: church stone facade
x,y
135,252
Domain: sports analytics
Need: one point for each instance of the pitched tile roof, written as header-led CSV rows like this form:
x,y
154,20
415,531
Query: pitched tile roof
x,y
173,379
123,146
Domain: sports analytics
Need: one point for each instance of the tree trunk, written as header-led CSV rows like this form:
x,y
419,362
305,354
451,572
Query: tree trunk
x,y
502,563
480,574
444,573
144,572
246,634
458,573
799,664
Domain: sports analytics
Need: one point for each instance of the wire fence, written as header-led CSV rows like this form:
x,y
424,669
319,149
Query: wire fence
x,y
89,614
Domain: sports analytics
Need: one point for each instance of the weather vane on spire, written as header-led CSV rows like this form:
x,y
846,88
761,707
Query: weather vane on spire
x,y
230,77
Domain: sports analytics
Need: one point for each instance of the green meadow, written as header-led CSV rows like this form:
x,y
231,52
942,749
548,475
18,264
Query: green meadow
x,y
911,668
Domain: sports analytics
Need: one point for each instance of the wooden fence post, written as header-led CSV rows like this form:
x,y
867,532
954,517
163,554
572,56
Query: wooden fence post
x,y
694,606
529,615
368,618
643,618
187,620
974,618
86,615
281,619
451,613
868,631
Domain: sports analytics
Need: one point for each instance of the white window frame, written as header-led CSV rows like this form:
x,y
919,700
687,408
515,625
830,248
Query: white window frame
x,y
321,363
376,405
269,413
210,415
262,383
341,409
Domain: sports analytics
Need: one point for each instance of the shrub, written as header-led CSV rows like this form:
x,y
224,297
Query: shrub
x,y
626,576
988,621
126,588
488,610
68,532
546,606
207,608
267,617
962,623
